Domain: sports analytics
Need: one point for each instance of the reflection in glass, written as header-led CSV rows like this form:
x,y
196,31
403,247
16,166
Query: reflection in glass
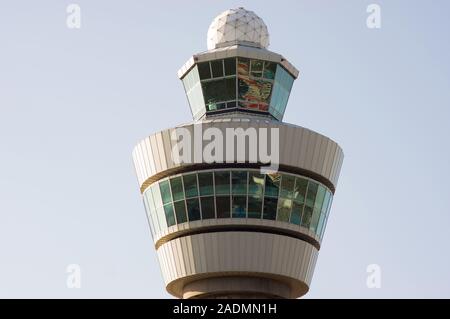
x,y
170,217
180,211
177,188
284,209
208,210
165,192
296,214
239,182
272,185
193,208
255,183
223,206
239,206
222,182
190,185
254,206
205,182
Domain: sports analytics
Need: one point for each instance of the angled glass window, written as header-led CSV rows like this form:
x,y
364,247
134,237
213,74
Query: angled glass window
x,y
170,216
204,70
190,185
323,211
311,194
222,182
255,183
269,70
208,209
205,182
217,68
165,192
230,66
177,188
193,208
287,186
216,91
296,214
180,211
284,210
317,208
272,185
254,206
243,66
306,217
270,208
239,182
223,206
239,206
300,190
256,68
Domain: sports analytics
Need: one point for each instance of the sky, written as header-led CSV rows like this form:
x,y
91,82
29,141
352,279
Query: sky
x,y
74,102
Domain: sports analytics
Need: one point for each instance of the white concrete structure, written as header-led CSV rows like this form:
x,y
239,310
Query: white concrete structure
x,y
224,228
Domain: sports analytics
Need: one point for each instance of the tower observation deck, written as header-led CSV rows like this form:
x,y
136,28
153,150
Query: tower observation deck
x,y
237,200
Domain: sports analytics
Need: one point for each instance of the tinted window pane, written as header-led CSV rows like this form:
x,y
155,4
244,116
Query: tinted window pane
x,y
269,70
222,182
300,189
306,218
255,183
243,66
239,206
205,182
256,68
284,209
177,188
317,208
165,192
204,71
323,211
311,194
254,207
180,211
270,208
287,186
230,66
190,185
239,182
296,214
208,210
217,68
170,217
272,185
219,91
193,207
223,206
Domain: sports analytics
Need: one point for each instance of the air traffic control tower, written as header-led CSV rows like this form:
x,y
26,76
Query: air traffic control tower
x,y
243,219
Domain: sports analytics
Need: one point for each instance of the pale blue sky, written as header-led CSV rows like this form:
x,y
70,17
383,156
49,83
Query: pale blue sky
x,y
74,103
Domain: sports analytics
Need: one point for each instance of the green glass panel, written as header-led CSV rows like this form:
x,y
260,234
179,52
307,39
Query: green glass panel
x,y
180,211
300,189
323,211
223,206
296,214
270,208
287,186
306,218
177,188
170,216
221,90
164,187
230,66
284,209
311,194
317,208
255,184
222,182
269,70
254,206
204,70
205,182
217,68
208,210
190,185
239,182
193,208
239,206
272,185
